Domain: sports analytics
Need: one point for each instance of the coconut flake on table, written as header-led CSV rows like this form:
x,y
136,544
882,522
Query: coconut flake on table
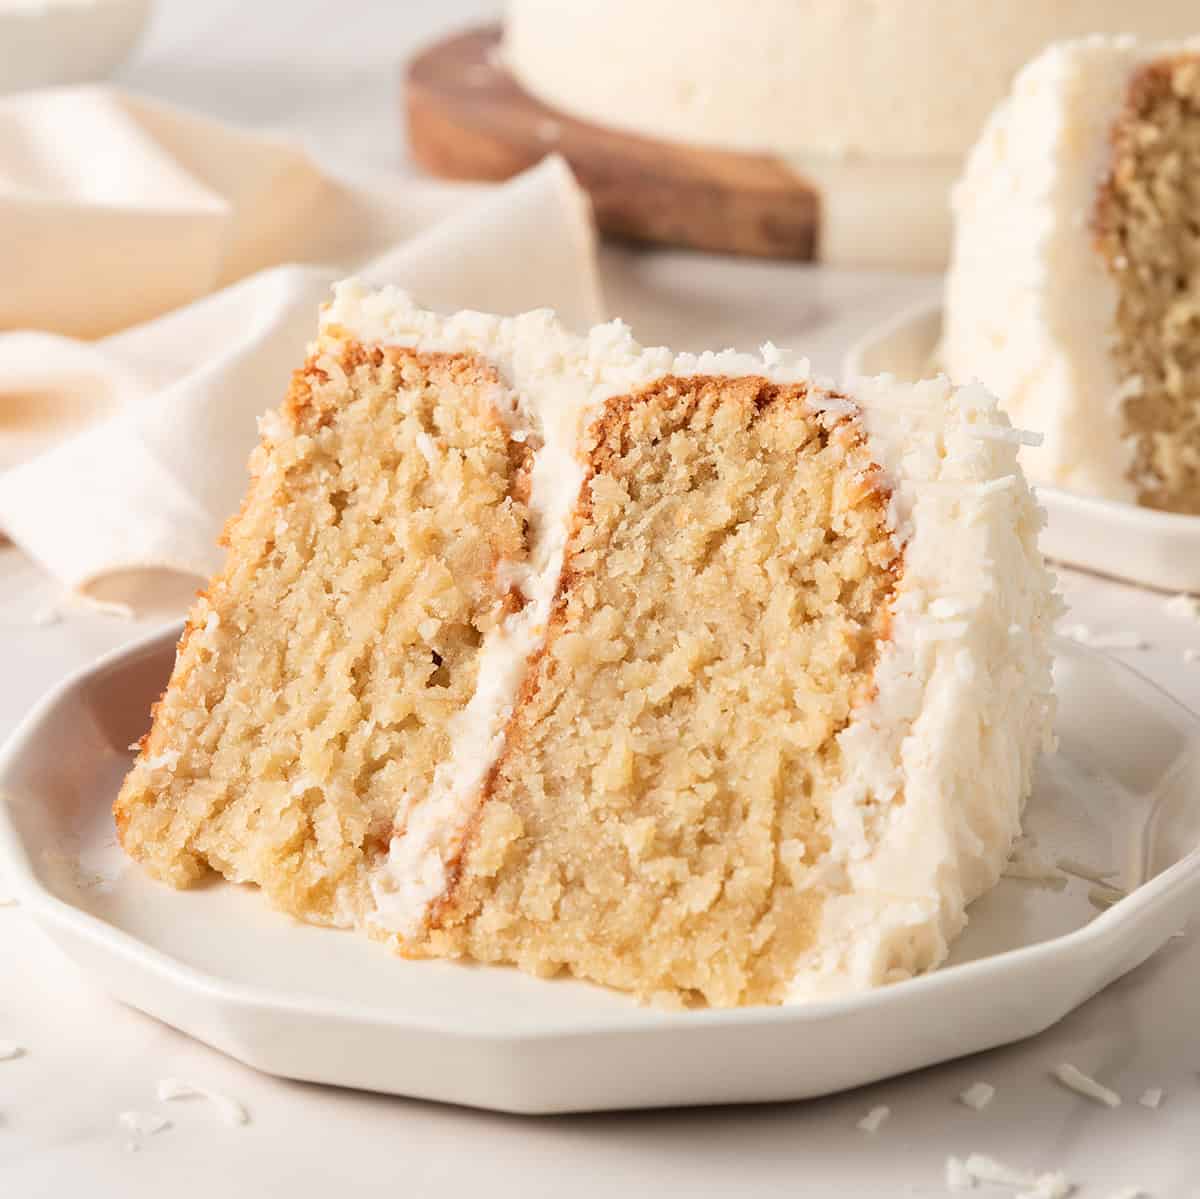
x,y
143,1123
1183,607
1075,1080
10,1050
964,1175
977,1096
872,1121
230,1110
1088,873
1105,895
47,615
1152,1097
1034,872
1118,640
104,607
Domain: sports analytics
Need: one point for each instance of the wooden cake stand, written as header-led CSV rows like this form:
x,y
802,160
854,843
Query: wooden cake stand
x,y
469,119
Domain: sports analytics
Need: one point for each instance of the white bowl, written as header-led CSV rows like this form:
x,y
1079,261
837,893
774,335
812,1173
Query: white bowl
x,y
1122,793
45,43
1140,545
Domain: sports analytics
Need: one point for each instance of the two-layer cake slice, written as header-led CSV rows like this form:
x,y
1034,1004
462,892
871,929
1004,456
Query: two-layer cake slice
x,y
686,675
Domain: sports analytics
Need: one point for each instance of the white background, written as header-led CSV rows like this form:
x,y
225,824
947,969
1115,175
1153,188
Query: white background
x,y
328,73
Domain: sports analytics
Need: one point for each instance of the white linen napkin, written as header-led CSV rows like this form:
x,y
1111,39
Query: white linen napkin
x,y
129,452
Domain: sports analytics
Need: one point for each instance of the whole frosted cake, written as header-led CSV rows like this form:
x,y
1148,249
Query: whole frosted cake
x,y
874,104
1074,291
685,675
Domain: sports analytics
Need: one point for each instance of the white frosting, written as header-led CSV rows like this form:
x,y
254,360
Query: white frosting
x,y
937,764
855,77
1030,305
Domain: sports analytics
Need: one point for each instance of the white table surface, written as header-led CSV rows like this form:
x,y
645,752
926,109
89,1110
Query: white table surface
x,y
327,72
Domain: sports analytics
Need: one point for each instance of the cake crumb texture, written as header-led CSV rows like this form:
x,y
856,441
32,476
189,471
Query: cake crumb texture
x,y
1148,230
653,819
315,679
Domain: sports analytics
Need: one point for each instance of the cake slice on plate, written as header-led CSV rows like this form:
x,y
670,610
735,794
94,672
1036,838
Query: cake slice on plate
x,y
1074,291
683,674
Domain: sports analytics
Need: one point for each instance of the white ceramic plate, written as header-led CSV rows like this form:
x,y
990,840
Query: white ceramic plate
x,y
327,1006
1155,549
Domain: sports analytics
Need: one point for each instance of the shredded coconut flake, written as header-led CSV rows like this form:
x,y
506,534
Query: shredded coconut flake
x,y
46,616
978,1095
1152,1097
10,1050
1034,872
963,1175
107,607
427,448
1191,655
1124,640
1082,870
7,901
1116,640
1051,1186
230,1110
1002,433
1105,895
872,1121
945,608
145,1124
1075,1079
167,760
816,403
950,630
1183,607
958,1177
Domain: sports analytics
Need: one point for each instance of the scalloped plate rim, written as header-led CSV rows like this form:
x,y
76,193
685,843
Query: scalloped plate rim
x,y
1099,942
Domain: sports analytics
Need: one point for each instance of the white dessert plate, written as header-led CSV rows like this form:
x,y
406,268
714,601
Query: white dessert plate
x,y
1155,549
1122,794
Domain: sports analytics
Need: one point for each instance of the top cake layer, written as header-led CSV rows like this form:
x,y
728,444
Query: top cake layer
x,y
852,77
